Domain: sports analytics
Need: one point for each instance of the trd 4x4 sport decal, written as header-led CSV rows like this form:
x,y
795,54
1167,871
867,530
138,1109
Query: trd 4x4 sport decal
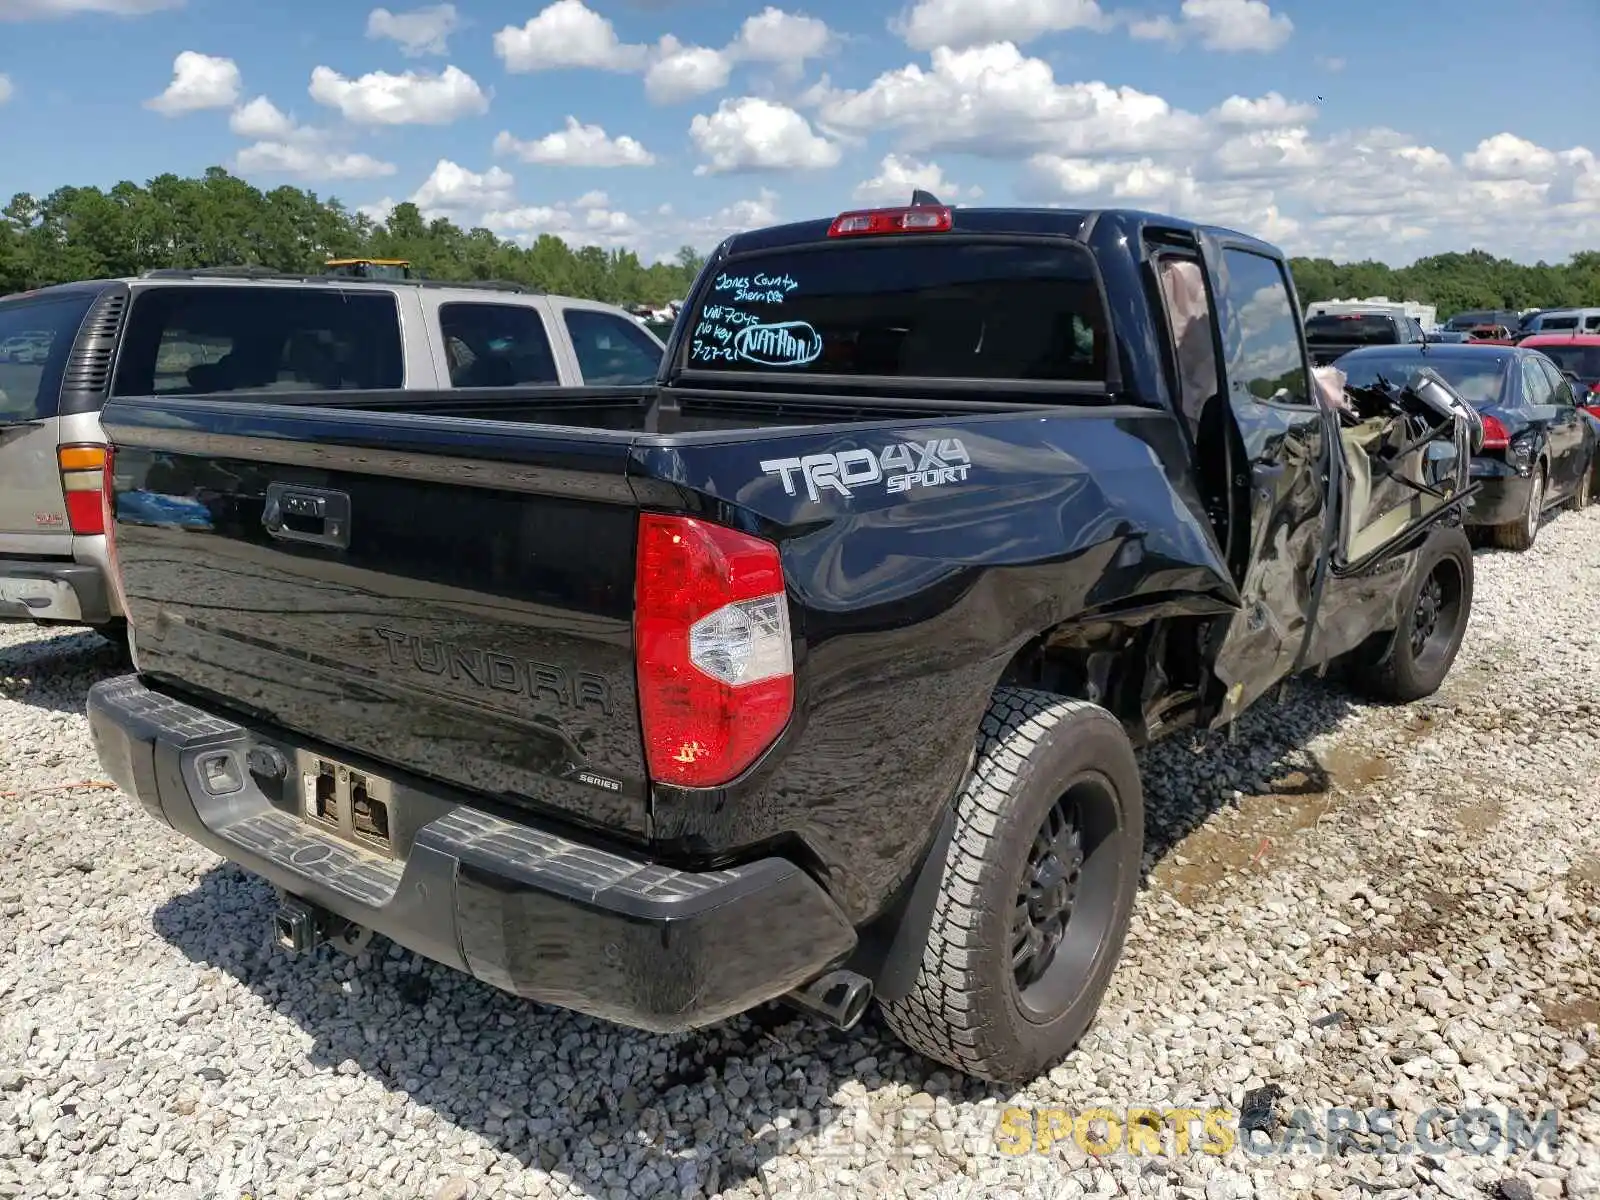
x,y
899,467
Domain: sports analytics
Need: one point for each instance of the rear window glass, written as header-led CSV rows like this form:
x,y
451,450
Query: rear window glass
x,y
1478,378
1558,322
195,340
36,337
1582,361
919,308
1351,328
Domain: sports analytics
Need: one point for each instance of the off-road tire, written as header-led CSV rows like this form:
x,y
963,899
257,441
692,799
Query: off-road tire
x,y
1389,667
964,1008
1523,532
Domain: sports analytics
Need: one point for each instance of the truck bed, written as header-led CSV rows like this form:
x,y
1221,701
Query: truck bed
x,y
474,626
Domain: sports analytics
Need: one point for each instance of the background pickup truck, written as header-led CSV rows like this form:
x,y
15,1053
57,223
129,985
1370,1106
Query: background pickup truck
x,y
814,672
176,333
1329,335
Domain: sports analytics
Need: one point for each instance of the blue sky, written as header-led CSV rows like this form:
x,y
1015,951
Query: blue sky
x,y
1346,129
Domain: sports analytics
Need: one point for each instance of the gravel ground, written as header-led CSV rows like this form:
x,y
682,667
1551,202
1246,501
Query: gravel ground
x,y
1358,907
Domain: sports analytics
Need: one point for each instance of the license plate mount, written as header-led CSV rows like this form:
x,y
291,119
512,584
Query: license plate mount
x,y
356,806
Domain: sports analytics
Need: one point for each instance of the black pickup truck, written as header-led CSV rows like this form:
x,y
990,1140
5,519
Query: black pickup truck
x,y
814,672
1330,335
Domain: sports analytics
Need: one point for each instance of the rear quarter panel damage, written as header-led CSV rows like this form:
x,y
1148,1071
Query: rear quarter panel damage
x,y
910,598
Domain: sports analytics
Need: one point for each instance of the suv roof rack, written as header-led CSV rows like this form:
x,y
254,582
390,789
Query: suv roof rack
x,y
253,272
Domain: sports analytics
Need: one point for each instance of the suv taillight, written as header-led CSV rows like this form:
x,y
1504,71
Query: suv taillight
x,y
712,648
108,522
83,472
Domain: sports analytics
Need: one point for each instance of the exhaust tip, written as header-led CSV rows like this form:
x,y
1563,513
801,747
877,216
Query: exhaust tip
x,y
840,998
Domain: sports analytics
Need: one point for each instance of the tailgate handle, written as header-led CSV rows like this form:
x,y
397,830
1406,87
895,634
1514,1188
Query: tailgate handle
x,y
316,516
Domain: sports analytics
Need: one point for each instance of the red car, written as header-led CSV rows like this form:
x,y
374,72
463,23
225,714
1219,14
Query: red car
x,y
1577,353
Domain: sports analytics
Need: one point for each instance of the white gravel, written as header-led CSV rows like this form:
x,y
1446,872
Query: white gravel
x,y
1366,907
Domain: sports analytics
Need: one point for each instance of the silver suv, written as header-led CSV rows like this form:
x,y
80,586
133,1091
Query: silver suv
x,y
67,348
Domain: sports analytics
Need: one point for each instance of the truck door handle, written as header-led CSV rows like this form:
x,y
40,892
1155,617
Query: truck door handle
x,y
316,516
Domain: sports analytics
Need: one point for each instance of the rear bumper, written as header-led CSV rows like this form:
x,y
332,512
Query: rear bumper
x,y
69,592
1503,498
522,908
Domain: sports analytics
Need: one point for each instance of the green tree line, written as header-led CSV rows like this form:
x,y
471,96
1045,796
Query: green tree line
x,y
219,219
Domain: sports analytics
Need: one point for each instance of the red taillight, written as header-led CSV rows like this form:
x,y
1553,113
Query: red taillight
x,y
921,219
82,477
1495,436
711,638
108,522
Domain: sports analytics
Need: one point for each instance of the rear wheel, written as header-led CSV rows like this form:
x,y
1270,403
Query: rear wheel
x,y
1521,533
1037,892
1583,493
1413,661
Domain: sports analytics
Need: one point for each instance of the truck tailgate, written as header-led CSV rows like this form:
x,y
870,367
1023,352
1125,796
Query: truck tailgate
x,y
452,597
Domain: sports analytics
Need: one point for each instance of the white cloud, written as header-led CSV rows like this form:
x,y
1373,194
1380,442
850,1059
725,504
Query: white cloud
x,y
668,229
1333,64
1265,153
958,24
419,31
1237,24
7,89
576,222
282,146
1507,156
378,210
199,82
1269,111
898,177
1226,25
452,189
570,34
991,100
1155,29
414,98
308,160
578,145
752,134
260,118
1253,165
23,10
775,36
680,72
567,34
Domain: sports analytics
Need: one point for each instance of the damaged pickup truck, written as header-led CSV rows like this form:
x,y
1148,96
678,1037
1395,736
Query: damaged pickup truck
x,y
814,672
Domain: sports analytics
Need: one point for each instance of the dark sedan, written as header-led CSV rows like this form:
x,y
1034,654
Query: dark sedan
x,y
1538,445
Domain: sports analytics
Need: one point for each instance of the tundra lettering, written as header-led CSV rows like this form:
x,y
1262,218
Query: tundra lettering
x,y
497,672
